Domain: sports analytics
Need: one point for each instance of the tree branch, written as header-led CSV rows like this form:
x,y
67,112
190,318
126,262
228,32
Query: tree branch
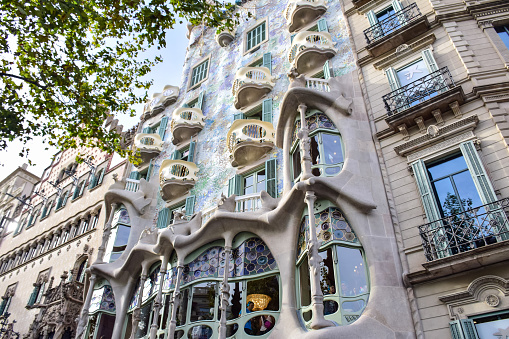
x,y
24,79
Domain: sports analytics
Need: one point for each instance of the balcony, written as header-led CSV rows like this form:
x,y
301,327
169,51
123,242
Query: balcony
x,y
224,38
132,185
185,123
251,84
435,91
395,30
299,13
176,178
160,101
149,145
249,140
466,231
310,50
243,203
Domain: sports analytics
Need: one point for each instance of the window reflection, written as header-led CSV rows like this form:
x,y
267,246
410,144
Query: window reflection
x,y
202,307
144,324
327,281
304,279
182,308
264,293
234,308
296,163
200,332
352,272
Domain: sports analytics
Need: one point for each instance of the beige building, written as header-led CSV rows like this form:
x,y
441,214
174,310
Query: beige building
x,y
434,76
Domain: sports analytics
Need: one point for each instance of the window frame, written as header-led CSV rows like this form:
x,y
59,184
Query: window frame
x,y
190,85
251,29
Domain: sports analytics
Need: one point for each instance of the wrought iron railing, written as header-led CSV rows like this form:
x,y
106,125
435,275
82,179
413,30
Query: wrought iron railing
x,y
418,91
392,23
465,231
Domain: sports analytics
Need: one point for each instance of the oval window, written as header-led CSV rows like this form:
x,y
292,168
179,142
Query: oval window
x,y
260,325
200,331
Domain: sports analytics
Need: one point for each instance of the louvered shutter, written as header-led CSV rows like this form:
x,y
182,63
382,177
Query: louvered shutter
x,y
2,306
44,210
101,177
82,188
239,116
235,185
135,175
427,56
267,61
147,130
162,218
469,330
92,181
396,5
192,148
271,177
162,127
322,25
456,331
326,70
176,155
392,77
33,296
426,191
190,205
267,110
149,171
199,103
372,18
40,293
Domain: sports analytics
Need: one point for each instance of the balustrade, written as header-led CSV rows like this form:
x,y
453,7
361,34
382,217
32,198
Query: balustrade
x,y
176,178
251,84
185,123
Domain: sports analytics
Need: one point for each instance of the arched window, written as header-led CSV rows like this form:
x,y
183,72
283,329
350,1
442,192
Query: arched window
x,y
326,146
80,275
343,271
102,311
121,228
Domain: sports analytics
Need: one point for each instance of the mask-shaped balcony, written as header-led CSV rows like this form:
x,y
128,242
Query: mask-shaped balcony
x,y
299,13
185,123
251,84
224,38
149,145
176,178
160,101
310,50
249,140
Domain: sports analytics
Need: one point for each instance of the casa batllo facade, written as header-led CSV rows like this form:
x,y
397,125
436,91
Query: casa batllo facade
x,y
48,245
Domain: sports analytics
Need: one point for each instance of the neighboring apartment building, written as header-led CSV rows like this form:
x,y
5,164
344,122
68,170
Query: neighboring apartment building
x,y
14,190
266,138
435,80
44,258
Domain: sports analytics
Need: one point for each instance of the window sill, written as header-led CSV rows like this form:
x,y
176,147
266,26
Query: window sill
x,y
77,198
255,48
95,187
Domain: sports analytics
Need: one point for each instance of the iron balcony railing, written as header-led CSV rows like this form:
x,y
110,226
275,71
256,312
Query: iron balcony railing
x,y
392,23
465,231
418,91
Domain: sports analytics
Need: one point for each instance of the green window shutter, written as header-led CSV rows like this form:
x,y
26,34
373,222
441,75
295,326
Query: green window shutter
x,y
456,331
469,330
82,188
59,202
149,171
101,177
162,218
326,70
66,197
30,220
239,116
192,149
92,181
267,110
476,168
322,25
190,205
185,105
135,175
291,38
176,155
267,61
44,211
146,130
199,103
33,296
271,179
2,306
426,191
235,185
372,18
392,77
428,58
396,5
162,127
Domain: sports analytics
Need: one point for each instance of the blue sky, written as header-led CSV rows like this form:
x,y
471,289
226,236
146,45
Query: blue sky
x,y
166,73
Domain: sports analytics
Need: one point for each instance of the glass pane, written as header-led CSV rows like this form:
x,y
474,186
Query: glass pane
x,y
248,184
264,293
179,334
327,281
122,235
260,178
304,281
333,154
296,162
182,309
353,306
446,197
307,315
234,308
447,167
503,34
144,325
466,190
315,154
200,332
385,13
330,307
231,329
413,72
352,271
204,296
260,325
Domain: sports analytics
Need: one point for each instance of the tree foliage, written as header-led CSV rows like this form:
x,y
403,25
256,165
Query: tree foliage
x,y
66,64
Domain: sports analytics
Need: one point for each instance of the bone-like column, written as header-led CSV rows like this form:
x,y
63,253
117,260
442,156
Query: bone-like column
x,y
106,235
225,291
159,298
314,260
82,324
176,300
305,148
137,310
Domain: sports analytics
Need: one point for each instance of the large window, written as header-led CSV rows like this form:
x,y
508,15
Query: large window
x,y
386,20
326,146
199,73
263,178
121,229
343,272
256,36
503,33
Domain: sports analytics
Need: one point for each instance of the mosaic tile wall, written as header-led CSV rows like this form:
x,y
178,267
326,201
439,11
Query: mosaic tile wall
x,y
212,156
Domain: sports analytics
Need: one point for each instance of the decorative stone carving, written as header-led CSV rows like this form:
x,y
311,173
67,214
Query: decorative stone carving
x,y
404,131
455,107
420,123
438,117
433,131
492,300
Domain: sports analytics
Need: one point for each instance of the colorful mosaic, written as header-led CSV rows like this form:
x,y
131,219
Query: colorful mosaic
x,y
330,225
121,216
253,257
317,120
103,300
205,266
